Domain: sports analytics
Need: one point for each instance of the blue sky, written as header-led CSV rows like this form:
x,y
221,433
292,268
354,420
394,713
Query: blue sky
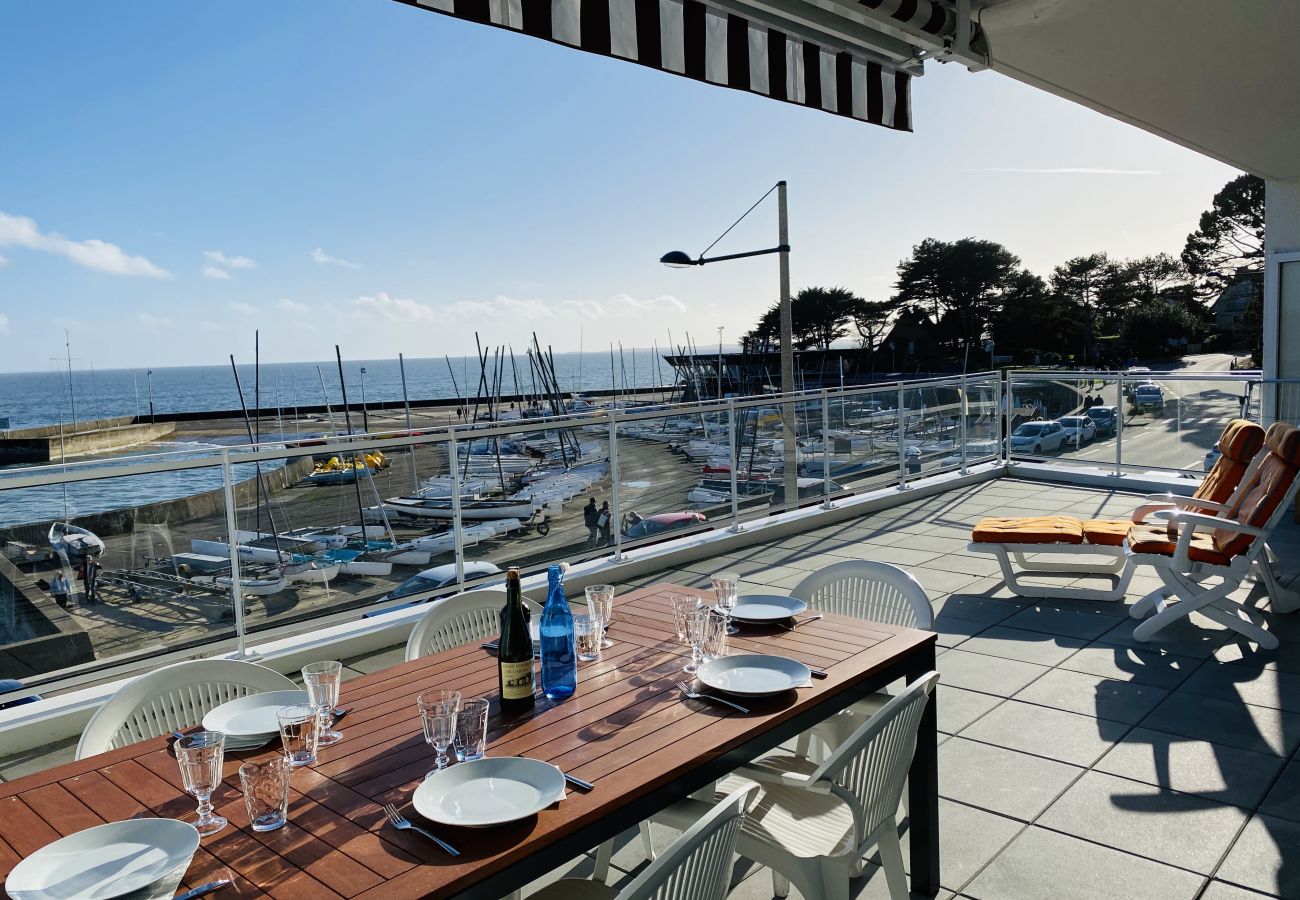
x,y
362,172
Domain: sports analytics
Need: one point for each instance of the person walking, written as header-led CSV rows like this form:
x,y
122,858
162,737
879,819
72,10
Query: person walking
x,y
603,522
590,515
60,589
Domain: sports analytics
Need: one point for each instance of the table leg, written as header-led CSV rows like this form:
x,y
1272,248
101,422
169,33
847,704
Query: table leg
x,y
923,786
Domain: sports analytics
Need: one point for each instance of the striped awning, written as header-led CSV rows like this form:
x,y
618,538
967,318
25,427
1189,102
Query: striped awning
x,y
710,42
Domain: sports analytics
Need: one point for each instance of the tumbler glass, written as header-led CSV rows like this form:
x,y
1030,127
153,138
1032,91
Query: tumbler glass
x,y
714,645
587,632
684,606
299,730
266,792
471,729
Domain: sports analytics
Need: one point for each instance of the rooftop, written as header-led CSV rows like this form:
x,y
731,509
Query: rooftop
x,y
1075,762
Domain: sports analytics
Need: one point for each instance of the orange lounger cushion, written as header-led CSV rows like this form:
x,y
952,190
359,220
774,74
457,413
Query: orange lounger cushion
x,y
1157,539
1028,530
1106,532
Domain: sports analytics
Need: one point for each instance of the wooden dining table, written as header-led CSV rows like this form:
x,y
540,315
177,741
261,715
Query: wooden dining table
x,y
628,730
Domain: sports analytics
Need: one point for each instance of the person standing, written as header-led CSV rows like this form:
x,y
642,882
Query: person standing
x,y
60,589
603,522
90,578
590,515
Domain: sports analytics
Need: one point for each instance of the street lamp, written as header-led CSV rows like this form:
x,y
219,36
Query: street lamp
x,y
365,417
678,259
148,377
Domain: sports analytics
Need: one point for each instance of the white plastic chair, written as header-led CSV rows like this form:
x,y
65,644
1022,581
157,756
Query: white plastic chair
x,y
696,867
172,698
459,619
863,589
814,824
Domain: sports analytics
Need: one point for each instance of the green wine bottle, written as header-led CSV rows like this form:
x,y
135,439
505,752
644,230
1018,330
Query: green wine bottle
x,y
515,672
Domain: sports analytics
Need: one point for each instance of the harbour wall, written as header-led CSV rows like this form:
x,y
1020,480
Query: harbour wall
x,y
45,637
45,443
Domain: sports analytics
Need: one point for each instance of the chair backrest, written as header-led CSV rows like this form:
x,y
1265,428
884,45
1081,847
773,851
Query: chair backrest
x,y
1263,498
868,590
1239,444
872,764
172,698
459,619
697,866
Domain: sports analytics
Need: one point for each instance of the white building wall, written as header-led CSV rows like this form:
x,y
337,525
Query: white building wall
x,y
1282,298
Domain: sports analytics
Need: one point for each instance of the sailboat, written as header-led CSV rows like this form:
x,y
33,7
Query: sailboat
x,y
73,543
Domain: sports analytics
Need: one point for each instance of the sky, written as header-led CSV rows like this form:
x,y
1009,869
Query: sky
x,y
176,175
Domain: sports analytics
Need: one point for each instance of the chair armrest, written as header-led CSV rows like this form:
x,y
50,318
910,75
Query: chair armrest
x,y
767,775
1200,520
1157,503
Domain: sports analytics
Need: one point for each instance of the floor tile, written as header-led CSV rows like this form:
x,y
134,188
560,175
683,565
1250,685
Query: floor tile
x,y
958,707
1192,636
1283,800
1153,667
1215,771
1262,687
1050,733
1089,695
938,581
38,759
1221,890
1042,864
1068,622
1026,646
989,674
954,632
1238,724
1000,780
976,607
1177,829
974,837
1264,858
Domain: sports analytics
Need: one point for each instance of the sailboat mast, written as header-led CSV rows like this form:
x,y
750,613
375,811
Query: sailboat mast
x,y
406,405
347,420
72,397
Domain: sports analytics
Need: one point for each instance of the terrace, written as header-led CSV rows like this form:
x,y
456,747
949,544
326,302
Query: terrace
x,y
1074,761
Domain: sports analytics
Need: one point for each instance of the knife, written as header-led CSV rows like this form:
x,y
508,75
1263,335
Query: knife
x,y
203,889
792,626
578,783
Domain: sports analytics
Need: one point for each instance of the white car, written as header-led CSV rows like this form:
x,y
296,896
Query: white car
x,y
1079,430
1037,437
430,580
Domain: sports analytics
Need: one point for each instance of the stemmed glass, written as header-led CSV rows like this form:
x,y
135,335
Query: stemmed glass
x,y
322,682
684,606
438,711
600,600
697,633
200,756
725,585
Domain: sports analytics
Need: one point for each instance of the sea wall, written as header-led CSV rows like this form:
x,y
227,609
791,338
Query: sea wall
x,y
182,509
44,637
44,443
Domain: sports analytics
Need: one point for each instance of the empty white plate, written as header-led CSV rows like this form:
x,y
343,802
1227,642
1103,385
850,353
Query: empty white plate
x,y
766,607
251,717
753,674
489,791
105,861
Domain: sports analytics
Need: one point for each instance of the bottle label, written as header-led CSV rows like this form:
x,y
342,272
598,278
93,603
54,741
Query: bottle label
x,y
516,680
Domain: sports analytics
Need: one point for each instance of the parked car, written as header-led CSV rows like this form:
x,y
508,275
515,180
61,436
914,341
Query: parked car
x,y
1105,418
1038,437
651,526
431,580
1079,430
1211,457
1149,398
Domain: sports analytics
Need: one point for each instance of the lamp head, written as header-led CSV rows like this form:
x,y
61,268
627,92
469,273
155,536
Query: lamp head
x,y
677,260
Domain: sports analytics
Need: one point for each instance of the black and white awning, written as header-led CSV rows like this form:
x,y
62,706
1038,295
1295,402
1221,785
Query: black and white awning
x,y
710,42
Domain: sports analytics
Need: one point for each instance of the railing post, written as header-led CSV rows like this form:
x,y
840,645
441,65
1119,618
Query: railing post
x,y
457,536
901,427
733,450
962,409
1119,425
236,590
615,518
1004,417
826,446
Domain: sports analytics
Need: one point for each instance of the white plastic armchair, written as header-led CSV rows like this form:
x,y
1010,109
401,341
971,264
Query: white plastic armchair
x,y
696,867
459,619
172,698
874,591
814,824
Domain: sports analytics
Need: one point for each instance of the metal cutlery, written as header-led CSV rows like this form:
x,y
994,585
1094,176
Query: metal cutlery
x,y
203,889
490,645
401,823
577,783
798,622
340,712
696,695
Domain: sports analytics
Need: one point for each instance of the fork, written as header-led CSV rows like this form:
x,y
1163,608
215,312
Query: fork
x,y
401,823
696,695
795,624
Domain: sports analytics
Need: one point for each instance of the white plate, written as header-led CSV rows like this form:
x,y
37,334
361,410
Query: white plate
x,y
105,861
753,674
767,607
489,791
253,716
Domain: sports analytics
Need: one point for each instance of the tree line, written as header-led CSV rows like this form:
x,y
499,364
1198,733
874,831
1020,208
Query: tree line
x,y
1091,310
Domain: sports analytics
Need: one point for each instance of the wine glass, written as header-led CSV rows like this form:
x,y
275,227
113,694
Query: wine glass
x,y
322,682
200,756
600,600
725,585
697,633
438,711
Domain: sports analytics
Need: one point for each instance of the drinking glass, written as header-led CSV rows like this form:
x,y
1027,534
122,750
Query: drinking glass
x,y
266,792
697,623
200,756
438,715
600,600
684,606
300,730
714,645
322,682
471,729
725,585
587,632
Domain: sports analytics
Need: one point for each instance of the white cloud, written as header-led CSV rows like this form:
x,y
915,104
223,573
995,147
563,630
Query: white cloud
x,y
293,306
20,231
153,324
4,324
395,309
1068,170
214,272
510,309
321,258
242,308
230,262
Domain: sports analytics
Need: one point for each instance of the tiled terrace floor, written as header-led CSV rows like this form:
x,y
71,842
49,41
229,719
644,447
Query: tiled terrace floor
x,y
1076,763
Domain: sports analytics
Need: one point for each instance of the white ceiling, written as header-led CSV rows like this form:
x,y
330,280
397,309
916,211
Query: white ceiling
x,y
1219,76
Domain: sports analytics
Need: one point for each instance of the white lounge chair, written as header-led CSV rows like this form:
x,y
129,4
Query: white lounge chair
x,y
459,619
172,698
696,867
1203,559
813,824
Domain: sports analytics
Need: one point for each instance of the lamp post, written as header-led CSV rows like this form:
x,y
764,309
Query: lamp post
x,y
148,379
365,417
680,259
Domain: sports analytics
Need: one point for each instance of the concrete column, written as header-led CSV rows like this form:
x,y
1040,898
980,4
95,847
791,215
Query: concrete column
x,y
1282,298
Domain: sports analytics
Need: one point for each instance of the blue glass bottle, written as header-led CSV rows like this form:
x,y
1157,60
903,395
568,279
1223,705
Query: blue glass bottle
x,y
559,658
